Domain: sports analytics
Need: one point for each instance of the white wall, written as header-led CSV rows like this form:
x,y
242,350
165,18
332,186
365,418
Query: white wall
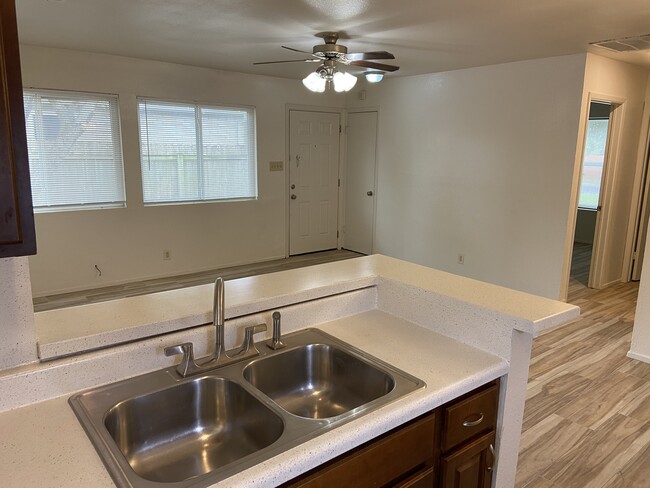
x,y
479,162
127,243
585,226
610,79
640,348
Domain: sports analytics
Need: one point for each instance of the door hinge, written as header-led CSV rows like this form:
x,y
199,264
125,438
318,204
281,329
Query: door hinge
x,y
635,255
337,234
339,182
339,129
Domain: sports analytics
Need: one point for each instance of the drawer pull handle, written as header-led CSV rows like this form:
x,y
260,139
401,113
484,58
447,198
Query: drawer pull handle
x,y
473,423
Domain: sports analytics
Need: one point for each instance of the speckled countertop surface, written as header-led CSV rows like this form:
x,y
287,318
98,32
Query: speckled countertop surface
x,y
43,445
87,327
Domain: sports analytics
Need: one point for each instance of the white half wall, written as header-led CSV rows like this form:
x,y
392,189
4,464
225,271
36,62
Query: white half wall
x,y
127,243
479,162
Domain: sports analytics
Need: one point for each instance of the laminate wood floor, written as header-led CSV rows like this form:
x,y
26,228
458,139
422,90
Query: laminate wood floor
x,y
162,284
587,417
580,264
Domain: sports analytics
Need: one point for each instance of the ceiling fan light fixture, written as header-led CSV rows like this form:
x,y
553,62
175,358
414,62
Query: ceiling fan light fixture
x,y
315,82
343,82
374,76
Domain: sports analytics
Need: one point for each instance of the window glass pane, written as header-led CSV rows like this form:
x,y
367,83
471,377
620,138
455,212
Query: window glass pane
x,y
592,164
195,153
75,150
228,154
168,152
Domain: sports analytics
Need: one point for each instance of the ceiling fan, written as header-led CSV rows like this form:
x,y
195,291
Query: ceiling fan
x,y
331,53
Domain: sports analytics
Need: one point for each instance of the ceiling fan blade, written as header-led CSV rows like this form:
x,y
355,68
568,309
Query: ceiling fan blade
x,y
373,65
369,55
290,61
296,50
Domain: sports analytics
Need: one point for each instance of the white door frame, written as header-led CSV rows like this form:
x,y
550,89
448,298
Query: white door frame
x,y
344,169
309,108
604,216
639,206
609,175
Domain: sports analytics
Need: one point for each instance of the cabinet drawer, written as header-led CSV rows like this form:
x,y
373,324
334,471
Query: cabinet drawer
x,y
379,462
470,417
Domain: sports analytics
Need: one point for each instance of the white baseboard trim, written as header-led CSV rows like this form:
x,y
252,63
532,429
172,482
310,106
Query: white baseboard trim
x,y
639,357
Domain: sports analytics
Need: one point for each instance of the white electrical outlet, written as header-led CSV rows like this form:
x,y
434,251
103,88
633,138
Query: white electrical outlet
x,y
461,259
167,255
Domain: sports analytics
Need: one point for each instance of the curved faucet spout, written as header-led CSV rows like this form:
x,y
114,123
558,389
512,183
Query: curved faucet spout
x,y
220,356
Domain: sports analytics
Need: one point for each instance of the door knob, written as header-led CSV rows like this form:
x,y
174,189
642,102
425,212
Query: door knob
x,y
293,187
293,197
369,193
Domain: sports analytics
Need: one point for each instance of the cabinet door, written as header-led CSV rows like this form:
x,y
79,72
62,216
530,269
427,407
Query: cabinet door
x,y
17,236
380,462
470,466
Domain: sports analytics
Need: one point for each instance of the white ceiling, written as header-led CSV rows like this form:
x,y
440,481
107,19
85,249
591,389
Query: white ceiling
x,y
426,36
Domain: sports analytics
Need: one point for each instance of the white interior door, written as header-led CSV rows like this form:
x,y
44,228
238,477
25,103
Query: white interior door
x,y
313,181
644,210
360,181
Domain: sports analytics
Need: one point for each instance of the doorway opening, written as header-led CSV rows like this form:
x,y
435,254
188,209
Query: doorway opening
x,y
589,228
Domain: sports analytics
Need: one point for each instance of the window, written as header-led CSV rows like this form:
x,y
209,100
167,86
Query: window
x,y
193,153
594,156
75,150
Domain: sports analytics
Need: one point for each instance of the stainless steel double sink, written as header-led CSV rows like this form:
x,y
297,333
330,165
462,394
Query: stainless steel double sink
x,y
195,431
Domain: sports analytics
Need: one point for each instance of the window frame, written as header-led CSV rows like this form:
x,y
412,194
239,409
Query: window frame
x,y
197,105
118,144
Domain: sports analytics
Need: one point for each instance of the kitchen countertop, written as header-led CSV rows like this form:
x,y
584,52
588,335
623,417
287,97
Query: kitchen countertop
x,y
43,444
84,328
452,332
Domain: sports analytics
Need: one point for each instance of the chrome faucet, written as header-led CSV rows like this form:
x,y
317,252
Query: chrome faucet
x,y
218,317
220,357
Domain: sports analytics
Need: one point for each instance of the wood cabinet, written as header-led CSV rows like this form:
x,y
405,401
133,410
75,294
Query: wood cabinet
x,y
450,447
17,235
468,439
470,466
403,457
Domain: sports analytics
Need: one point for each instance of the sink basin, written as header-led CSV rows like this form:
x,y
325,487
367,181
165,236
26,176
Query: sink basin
x,y
318,380
159,429
191,429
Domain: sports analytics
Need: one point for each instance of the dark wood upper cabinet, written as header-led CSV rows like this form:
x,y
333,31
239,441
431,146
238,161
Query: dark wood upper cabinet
x,y
17,235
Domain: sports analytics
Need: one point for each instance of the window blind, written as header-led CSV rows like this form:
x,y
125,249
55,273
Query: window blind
x,y
75,150
192,153
592,163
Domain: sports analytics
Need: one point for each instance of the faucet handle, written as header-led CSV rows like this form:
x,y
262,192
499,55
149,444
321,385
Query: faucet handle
x,y
187,350
248,346
250,331
255,329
